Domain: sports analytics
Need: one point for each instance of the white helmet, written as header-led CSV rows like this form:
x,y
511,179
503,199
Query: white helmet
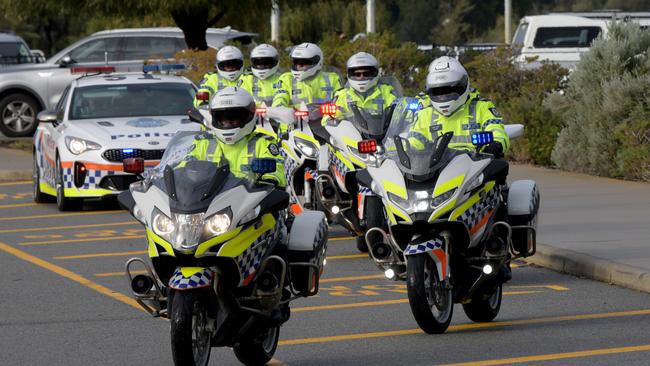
x,y
306,54
264,61
230,62
359,62
447,85
233,114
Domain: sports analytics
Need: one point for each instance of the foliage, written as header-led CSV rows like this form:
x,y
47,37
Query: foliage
x,y
606,108
518,93
197,63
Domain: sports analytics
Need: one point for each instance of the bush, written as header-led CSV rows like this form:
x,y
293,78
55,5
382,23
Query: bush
x,y
519,94
197,63
606,109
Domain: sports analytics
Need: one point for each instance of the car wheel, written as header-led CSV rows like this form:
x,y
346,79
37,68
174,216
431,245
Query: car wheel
x,y
63,203
18,115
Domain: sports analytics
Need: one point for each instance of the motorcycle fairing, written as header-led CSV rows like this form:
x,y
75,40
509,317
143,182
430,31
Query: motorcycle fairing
x,y
477,211
189,278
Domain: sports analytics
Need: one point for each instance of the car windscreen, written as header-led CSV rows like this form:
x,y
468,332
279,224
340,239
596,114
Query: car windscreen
x,y
557,37
131,100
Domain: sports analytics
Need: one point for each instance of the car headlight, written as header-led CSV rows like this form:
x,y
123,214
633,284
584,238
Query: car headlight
x,y
440,199
77,146
308,148
218,224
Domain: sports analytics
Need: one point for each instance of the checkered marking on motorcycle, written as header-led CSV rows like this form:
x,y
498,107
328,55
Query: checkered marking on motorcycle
x,y
336,163
424,247
475,214
249,261
365,191
197,280
93,177
290,167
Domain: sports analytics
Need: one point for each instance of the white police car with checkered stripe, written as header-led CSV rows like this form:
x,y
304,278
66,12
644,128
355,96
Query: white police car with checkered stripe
x,y
100,120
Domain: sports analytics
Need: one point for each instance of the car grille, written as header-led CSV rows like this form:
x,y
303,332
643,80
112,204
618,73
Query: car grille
x,y
117,155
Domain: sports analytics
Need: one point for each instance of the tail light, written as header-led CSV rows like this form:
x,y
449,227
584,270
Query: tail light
x,y
133,165
367,146
203,96
328,109
93,69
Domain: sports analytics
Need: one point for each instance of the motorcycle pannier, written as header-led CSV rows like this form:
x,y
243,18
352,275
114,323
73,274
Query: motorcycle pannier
x,y
307,246
523,205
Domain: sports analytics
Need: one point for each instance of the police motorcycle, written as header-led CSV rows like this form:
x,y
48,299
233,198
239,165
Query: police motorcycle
x,y
453,226
223,267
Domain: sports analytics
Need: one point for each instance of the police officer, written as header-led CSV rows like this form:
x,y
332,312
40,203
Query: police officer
x,y
306,82
363,89
230,68
235,138
266,78
451,105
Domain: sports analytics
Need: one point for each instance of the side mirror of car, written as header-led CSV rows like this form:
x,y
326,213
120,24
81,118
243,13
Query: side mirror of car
x,y
66,61
47,117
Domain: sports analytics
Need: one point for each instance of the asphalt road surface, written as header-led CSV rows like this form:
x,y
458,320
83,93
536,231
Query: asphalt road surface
x,y
64,301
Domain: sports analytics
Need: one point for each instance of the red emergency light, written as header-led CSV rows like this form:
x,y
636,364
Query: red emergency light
x,y
133,165
328,109
92,69
367,146
203,96
260,110
301,113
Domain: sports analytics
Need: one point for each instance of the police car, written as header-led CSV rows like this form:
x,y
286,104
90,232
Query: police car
x,y
100,120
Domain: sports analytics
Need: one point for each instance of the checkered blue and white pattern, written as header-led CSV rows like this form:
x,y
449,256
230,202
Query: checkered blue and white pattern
x,y
197,280
477,212
334,161
290,167
93,177
249,261
365,191
424,247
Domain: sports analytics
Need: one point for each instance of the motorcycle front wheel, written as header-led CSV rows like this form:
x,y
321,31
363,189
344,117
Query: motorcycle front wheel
x,y
432,304
258,352
484,310
190,337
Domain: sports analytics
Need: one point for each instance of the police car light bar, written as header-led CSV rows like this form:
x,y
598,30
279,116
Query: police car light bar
x,y
92,69
328,109
162,67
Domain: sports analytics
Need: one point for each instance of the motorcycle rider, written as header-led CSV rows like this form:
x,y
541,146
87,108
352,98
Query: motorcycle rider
x,y
266,78
363,89
233,135
306,82
230,72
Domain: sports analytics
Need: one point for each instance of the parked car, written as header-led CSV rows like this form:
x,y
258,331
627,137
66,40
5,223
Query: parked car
x,y
27,89
100,120
14,50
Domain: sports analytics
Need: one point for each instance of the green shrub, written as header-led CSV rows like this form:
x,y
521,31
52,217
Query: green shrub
x,y
197,63
519,94
606,108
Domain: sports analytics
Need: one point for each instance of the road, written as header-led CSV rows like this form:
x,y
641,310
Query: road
x,y
65,302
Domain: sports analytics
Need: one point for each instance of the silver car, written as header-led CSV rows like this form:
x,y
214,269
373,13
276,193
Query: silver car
x,y
27,89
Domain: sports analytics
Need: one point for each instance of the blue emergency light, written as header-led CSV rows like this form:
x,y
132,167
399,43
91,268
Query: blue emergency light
x,y
482,138
263,165
127,151
163,67
414,106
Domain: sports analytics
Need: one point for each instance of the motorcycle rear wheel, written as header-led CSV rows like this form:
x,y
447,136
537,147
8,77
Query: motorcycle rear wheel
x,y
189,335
257,352
431,304
484,310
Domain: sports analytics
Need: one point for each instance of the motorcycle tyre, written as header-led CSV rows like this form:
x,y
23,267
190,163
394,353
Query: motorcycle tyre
x,y
484,310
256,353
183,306
415,286
374,212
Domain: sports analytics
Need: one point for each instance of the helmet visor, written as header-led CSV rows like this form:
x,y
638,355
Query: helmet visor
x,y
230,65
301,64
362,73
448,93
264,63
226,119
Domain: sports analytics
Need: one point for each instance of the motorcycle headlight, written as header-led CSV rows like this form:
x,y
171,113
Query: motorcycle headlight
x,y
440,199
77,146
162,225
399,201
475,183
308,148
218,224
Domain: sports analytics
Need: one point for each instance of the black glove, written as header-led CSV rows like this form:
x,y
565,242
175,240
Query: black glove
x,y
494,148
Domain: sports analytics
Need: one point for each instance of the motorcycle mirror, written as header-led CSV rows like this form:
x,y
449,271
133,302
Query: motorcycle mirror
x,y
195,116
263,165
133,165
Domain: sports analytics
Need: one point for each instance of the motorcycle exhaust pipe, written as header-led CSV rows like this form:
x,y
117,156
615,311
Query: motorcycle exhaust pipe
x,y
142,284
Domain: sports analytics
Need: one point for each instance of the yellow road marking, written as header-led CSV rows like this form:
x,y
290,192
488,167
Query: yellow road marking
x,y
15,218
16,183
347,306
471,326
16,205
99,255
97,239
354,278
115,274
69,275
69,227
339,238
550,287
555,356
276,362
350,256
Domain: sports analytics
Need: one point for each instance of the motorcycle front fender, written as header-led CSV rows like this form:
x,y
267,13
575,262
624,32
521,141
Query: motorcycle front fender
x,y
435,249
190,278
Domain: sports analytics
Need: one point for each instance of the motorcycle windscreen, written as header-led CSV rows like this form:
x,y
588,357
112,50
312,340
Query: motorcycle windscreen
x,y
371,124
421,159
